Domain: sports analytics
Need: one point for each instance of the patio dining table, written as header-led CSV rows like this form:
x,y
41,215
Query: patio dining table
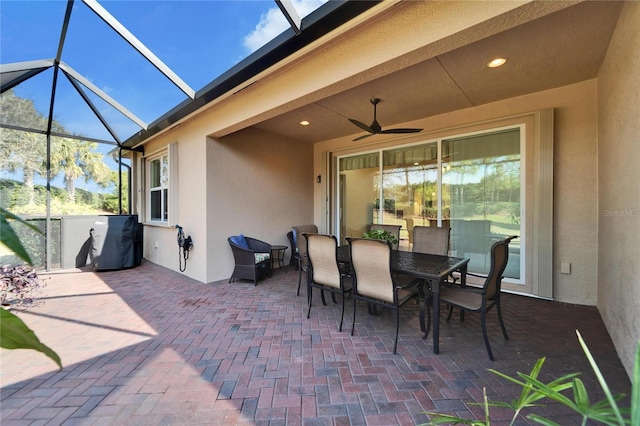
x,y
429,268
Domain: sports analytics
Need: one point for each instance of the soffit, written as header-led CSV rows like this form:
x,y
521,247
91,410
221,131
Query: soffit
x,y
564,47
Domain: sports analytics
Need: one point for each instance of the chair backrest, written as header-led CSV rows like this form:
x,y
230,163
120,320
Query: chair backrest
x,y
299,240
410,229
431,240
499,259
371,263
392,229
323,256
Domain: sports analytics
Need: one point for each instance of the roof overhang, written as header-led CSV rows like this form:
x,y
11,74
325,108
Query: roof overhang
x,y
318,24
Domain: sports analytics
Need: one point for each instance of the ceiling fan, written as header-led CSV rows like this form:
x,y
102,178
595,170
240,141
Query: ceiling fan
x,y
375,128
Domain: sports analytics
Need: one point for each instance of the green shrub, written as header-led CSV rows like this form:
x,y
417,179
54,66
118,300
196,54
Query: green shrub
x,y
379,234
534,392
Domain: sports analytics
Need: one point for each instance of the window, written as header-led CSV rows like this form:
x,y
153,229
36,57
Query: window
x,y
158,172
483,180
470,183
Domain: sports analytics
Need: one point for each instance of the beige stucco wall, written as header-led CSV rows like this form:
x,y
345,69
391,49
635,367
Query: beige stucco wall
x,y
575,180
619,186
251,182
188,203
259,185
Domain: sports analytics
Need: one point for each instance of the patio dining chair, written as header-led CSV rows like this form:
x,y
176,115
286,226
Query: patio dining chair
x,y
431,240
373,281
481,299
325,272
300,251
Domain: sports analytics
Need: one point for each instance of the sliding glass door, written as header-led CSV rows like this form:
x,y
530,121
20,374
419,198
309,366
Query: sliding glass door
x,y
409,185
359,188
471,184
481,180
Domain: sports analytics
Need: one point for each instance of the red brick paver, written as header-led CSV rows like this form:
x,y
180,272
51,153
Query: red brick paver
x,y
148,346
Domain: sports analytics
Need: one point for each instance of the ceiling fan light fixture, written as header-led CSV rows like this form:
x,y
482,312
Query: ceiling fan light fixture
x,y
304,123
497,62
375,128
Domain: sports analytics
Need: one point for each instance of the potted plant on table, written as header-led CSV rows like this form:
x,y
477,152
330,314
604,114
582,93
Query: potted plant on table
x,y
379,234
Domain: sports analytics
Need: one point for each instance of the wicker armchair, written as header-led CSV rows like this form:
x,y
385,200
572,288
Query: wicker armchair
x,y
252,258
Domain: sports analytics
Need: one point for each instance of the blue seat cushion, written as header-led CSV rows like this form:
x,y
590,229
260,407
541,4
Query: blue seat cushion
x,y
240,241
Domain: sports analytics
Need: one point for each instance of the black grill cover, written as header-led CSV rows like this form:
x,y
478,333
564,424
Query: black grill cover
x,y
116,242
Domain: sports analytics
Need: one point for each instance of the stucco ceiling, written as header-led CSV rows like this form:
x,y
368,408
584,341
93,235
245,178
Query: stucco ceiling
x,y
562,48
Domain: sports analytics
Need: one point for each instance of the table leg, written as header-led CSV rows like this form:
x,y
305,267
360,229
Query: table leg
x,y
423,301
435,289
463,283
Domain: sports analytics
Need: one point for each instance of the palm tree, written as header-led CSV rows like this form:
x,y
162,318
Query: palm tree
x,y
20,150
78,159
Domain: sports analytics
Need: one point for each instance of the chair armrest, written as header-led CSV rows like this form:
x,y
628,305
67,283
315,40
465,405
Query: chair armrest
x,y
484,277
242,256
466,289
258,246
410,284
477,275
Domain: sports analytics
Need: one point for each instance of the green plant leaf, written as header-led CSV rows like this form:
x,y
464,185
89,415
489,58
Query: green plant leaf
x,y
487,419
380,234
635,390
580,396
14,334
539,419
527,397
8,236
440,419
603,382
552,392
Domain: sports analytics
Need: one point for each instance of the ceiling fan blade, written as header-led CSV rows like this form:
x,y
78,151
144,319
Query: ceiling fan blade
x,y
401,130
362,125
362,137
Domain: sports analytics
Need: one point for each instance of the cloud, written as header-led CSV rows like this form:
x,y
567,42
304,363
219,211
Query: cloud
x,y
273,23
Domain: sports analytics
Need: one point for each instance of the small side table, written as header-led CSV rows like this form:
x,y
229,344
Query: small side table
x,y
277,255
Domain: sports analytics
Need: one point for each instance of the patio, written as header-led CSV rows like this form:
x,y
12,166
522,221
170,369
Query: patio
x,y
151,346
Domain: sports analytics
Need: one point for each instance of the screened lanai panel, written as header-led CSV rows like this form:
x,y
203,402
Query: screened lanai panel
x,y
26,105
30,32
117,68
85,183
193,41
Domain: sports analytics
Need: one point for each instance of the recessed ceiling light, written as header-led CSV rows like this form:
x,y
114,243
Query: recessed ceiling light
x,y
496,62
304,123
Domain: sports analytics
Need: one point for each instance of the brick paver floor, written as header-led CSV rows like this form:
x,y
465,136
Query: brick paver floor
x,y
148,346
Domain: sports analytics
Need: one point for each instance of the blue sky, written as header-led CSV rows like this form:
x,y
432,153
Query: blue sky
x,y
198,40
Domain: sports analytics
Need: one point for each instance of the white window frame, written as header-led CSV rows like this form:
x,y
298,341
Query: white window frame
x,y
170,184
163,188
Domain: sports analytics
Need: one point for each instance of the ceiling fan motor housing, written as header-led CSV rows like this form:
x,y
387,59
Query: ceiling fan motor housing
x,y
375,127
